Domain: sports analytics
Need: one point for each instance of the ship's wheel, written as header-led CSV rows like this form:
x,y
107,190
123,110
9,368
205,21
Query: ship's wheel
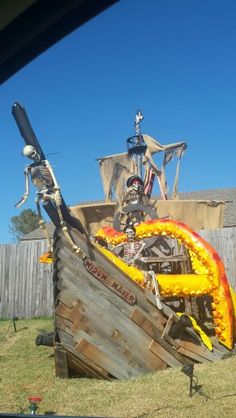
x,y
134,213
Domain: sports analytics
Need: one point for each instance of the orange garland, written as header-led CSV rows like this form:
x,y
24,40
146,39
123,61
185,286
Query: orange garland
x,y
204,258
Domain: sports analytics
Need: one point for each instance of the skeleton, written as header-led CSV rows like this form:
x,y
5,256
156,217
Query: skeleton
x,y
135,193
134,196
43,178
130,250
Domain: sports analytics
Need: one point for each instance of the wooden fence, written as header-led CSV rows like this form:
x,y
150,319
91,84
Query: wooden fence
x,y
26,288
224,242
25,284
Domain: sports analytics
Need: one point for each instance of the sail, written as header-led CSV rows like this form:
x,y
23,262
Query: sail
x,y
116,169
170,151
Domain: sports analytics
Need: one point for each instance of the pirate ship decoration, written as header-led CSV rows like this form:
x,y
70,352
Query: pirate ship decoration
x,y
136,289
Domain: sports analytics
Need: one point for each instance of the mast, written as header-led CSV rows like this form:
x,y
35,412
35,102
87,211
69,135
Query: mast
x,y
136,145
116,169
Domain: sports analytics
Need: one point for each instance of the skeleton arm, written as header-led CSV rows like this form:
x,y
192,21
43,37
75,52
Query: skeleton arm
x,y
49,167
117,249
56,187
139,251
27,188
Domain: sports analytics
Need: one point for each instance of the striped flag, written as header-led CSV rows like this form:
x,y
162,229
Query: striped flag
x,y
148,181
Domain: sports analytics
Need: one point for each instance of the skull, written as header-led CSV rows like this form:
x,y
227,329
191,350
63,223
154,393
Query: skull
x,y
136,186
130,233
30,152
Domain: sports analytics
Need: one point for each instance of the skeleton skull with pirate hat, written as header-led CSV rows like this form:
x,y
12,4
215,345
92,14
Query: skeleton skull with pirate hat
x,y
135,182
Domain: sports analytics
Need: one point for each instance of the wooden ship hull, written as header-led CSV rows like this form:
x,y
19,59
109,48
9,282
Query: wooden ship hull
x,y
107,326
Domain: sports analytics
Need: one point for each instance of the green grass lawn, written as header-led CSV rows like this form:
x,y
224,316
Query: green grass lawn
x,y
27,370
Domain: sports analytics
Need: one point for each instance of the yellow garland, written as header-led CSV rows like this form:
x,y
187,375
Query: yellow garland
x,y
206,340
202,264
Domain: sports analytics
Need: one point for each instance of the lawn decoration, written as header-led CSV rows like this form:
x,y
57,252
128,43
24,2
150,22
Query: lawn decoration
x,y
43,178
133,292
34,402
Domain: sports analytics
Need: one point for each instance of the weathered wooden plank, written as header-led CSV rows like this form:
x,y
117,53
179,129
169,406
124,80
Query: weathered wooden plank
x,y
80,368
150,325
165,335
81,323
63,324
67,298
169,258
201,351
61,363
79,319
104,356
70,320
94,355
163,354
192,355
63,310
166,352
107,280
69,345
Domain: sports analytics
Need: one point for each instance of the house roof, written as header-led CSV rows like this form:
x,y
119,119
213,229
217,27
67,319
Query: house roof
x,y
219,195
38,233
223,195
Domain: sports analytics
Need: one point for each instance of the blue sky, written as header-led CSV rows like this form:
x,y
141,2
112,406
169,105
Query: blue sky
x,y
175,60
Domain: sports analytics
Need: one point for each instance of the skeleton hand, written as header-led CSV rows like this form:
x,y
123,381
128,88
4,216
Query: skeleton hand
x,y
22,201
